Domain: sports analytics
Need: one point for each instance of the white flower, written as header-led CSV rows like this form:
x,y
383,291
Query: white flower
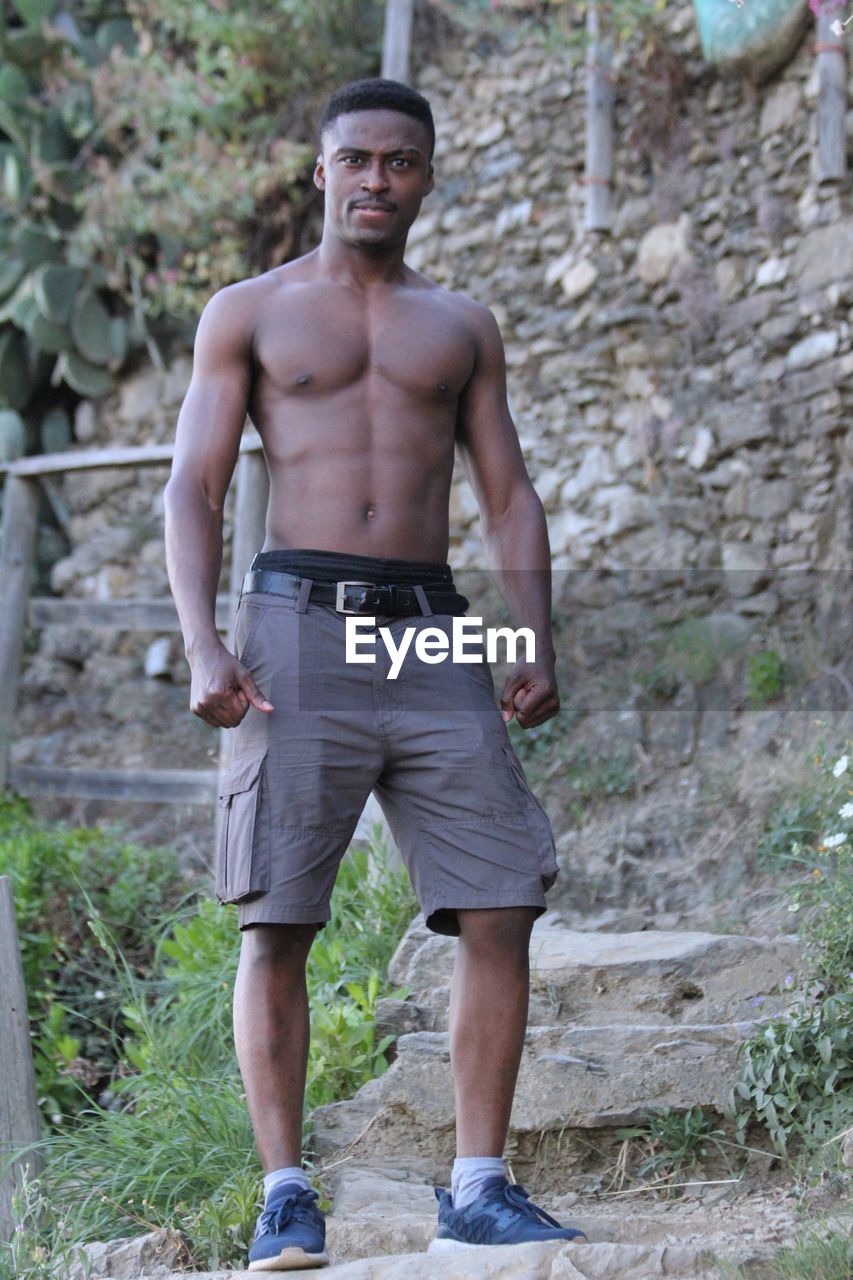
x,y
846,810
832,842
840,767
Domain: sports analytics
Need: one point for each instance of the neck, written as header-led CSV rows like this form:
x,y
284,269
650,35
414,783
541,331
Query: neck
x,y
361,265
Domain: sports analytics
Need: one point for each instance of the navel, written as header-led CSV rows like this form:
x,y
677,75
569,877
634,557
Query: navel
x,y
303,379
370,512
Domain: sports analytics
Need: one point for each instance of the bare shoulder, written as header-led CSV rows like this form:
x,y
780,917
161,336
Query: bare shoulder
x,y
476,317
233,305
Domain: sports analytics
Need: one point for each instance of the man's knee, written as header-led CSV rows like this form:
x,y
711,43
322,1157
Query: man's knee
x,y
504,929
277,944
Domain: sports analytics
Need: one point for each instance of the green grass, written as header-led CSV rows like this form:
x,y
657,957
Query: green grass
x,y
175,1147
73,1001
824,1252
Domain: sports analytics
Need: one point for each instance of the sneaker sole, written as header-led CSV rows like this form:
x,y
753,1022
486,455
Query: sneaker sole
x,y
290,1259
442,1245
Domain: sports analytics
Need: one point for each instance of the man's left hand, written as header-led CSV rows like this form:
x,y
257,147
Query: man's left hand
x,y
530,693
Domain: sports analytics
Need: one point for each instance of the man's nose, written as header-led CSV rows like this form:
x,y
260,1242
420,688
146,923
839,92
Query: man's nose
x,y
375,179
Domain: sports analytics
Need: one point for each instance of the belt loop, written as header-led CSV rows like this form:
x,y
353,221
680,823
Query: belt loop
x,y
420,595
304,592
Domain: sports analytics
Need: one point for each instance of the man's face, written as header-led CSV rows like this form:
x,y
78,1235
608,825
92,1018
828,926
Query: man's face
x,y
375,171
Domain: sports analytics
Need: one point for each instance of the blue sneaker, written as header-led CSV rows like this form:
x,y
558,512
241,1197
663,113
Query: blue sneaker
x,y
291,1232
501,1214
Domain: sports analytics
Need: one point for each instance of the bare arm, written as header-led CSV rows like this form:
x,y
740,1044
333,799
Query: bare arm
x,y
207,443
515,532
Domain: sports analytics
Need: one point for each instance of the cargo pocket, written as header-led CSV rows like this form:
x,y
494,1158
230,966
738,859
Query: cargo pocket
x,y
243,852
537,820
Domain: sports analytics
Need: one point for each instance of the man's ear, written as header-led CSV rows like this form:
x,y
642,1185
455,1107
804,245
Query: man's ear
x,y
430,182
320,174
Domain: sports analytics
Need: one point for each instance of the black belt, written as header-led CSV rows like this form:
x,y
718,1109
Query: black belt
x,y
391,598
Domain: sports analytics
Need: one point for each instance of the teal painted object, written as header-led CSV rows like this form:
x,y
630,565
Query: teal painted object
x,y
756,38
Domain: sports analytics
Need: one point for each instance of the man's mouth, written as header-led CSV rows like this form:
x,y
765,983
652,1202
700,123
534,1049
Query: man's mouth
x,y
374,208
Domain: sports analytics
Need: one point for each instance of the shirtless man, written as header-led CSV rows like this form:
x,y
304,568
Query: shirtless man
x,y
362,378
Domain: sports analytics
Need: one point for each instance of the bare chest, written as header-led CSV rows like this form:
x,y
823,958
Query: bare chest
x,y
319,342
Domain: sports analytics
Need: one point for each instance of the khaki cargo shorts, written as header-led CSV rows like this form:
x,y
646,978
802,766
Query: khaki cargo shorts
x,y
431,745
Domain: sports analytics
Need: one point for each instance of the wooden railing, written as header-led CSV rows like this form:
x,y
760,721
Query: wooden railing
x,y
18,610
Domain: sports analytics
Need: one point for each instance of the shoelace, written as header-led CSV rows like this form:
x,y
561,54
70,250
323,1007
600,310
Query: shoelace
x,y
516,1195
296,1207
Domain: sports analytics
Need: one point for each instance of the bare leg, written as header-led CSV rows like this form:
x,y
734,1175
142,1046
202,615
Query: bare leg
x,y
271,1034
488,1018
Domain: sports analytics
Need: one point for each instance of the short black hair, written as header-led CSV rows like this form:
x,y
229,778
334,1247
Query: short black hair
x,y
378,94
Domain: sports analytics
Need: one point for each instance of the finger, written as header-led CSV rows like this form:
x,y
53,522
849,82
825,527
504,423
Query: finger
x,y
250,690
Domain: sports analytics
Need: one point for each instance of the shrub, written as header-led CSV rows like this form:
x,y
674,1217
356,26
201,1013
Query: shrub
x,y
59,875
174,1147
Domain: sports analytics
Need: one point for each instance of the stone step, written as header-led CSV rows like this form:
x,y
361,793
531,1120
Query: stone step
x,y
593,978
569,1078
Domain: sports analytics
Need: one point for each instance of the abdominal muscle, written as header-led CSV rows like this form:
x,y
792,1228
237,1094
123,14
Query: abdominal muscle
x,y
390,504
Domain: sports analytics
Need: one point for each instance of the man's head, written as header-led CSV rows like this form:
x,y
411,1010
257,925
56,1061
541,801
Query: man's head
x,y
378,95
377,139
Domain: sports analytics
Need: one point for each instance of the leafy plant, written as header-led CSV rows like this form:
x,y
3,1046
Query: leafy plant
x,y
590,774
675,1142
59,874
766,674
172,1145
796,1072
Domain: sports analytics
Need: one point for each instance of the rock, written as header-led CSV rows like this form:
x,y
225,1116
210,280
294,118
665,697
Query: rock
x,y
773,271
769,499
700,450
781,104
551,1260
569,1078
599,977
745,565
817,346
594,471
661,248
560,266
513,216
492,133
824,255
158,658
155,1255
628,509
578,280
141,395
86,421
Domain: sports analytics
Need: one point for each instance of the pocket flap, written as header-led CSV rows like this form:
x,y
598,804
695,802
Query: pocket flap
x,y
241,774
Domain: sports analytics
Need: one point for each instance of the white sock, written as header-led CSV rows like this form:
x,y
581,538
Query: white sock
x,y
278,1177
468,1175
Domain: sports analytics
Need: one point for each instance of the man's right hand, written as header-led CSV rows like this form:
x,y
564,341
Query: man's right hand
x,y
222,688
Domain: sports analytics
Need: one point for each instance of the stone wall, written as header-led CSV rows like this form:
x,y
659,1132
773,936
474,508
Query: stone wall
x,y
681,385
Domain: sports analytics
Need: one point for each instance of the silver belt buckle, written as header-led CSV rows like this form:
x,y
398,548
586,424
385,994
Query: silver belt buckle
x,y
339,595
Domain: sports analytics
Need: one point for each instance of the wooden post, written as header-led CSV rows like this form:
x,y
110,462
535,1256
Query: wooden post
x,y
250,515
398,39
17,545
250,524
599,124
19,1114
831,101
